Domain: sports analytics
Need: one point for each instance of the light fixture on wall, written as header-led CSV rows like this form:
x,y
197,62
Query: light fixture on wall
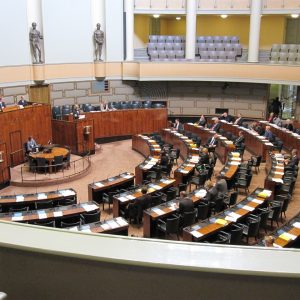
x,y
295,16
1,157
224,16
156,16
87,130
178,18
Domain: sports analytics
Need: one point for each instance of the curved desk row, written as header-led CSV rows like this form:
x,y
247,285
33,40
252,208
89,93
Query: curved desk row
x,y
224,145
204,229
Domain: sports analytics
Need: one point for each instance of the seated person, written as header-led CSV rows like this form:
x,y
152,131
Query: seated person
x,y
164,159
204,157
226,117
201,121
212,142
2,104
185,203
293,161
76,112
239,121
178,126
103,106
289,125
271,117
258,128
268,133
268,241
221,186
212,191
277,121
240,140
216,126
32,146
23,102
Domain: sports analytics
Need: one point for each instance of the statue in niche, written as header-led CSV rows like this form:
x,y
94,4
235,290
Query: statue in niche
x,y
35,37
99,39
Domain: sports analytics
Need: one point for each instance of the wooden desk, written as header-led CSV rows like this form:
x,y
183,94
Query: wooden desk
x,y
49,156
179,141
275,172
253,142
288,234
50,213
290,139
7,201
186,169
124,198
114,226
96,189
152,214
224,145
148,148
10,108
204,229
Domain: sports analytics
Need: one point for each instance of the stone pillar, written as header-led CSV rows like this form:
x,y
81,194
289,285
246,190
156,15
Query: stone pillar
x,y
129,10
191,18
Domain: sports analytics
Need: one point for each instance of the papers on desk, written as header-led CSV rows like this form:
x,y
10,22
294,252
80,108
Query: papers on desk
x,y
257,201
234,163
167,181
287,236
297,225
184,171
279,180
80,117
130,197
86,230
232,217
221,221
190,165
269,144
228,142
89,207
42,214
19,198
201,193
105,226
167,129
113,224
17,217
157,187
147,167
67,193
236,159
247,207
278,173
158,211
265,194
42,196
73,228
99,184
261,137
57,214
121,221
123,199
196,234
235,154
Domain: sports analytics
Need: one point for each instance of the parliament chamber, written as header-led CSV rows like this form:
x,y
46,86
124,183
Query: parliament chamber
x,y
153,142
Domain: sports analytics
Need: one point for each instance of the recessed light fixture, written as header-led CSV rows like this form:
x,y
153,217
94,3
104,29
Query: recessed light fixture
x,y
294,16
224,16
156,16
178,18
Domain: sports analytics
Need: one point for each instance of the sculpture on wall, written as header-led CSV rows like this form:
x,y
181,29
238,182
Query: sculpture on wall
x,y
99,40
35,37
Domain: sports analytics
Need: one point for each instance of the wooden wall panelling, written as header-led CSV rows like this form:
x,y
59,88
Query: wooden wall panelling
x,y
4,166
16,146
85,142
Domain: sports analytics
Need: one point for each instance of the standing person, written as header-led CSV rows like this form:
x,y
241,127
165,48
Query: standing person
x,y
35,37
186,204
276,106
99,40
23,102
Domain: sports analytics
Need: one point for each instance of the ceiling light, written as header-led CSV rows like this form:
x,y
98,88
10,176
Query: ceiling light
x,y
224,16
178,18
294,16
156,16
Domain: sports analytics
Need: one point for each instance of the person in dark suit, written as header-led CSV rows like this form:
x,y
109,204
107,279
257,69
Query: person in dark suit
x,y
239,121
145,200
240,140
216,126
22,102
226,117
164,160
221,185
258,128
204,157
185,203
294,161
178,126
202,121
76,112
212,142
2,104
268,133
289,125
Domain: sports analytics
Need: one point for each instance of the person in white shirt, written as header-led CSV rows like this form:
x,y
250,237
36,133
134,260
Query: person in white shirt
x,y
103,106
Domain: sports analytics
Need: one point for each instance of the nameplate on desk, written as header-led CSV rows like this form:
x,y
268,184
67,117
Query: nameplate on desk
x,y
20,198
89,207
42,196
123,199
57,214
99,184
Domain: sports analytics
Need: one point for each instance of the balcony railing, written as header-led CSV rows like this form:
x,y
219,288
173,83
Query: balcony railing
x,y
215,4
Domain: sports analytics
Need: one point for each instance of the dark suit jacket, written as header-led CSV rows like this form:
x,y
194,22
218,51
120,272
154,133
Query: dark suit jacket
x,y
164,160
186,205
293,162
204,159
2,104
239,141
216,127
215,143
221,186
240,121
259,130
202,122
289,127
23,103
